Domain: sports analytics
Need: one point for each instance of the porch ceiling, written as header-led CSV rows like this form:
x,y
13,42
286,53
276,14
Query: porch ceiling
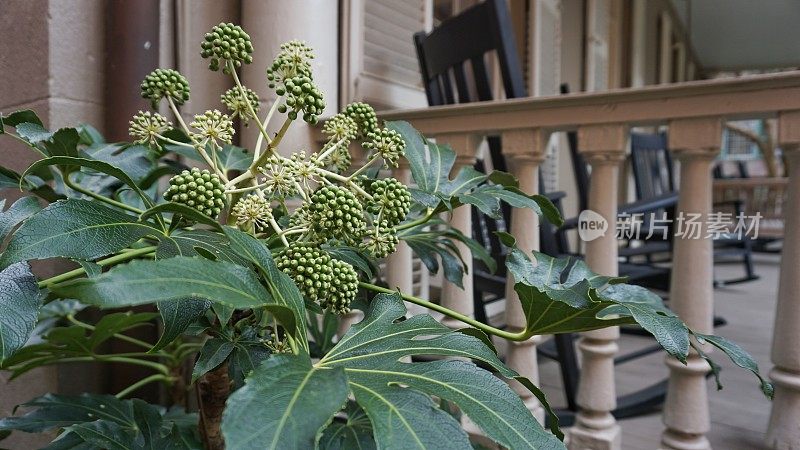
x,y
743,34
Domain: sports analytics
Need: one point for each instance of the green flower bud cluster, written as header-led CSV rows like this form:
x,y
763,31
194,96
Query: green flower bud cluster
x,y
301,95
337,213
391,201
227,42
309,267
146,126
162,83
198,189
233,100
302,170
364,116
294,59
381,241
343,290
340,129
388,143
213,125
252,211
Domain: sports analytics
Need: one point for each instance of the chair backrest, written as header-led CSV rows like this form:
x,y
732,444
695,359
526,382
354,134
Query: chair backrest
x,y
453,67
464,40
651,164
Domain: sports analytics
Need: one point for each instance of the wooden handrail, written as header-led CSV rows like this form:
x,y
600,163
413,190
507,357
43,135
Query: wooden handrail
x,y
755,96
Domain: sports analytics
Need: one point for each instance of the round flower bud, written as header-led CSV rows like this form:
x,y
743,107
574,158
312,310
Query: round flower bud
x,y
382,242
213,125
233,100
227,42
198,189
340,127
302,96
252,211
309,267
165,83
336,213
146,126
344,288
391,200
364,117
388,143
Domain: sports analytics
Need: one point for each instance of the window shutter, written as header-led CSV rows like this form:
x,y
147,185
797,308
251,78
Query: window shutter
x,y
379,61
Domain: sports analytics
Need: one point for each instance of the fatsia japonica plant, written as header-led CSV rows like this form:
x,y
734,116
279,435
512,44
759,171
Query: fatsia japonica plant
x,y
248,259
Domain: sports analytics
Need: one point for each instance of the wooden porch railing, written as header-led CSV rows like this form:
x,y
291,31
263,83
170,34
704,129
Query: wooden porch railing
x,y
694,113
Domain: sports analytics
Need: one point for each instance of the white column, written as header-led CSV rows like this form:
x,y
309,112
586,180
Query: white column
x,y
695,143
524,150
595,428
399,265
453,297
784,423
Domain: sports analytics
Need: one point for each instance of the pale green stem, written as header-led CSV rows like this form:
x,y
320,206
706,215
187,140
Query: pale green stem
x,y
518,337
252,112
119,336
143,382
364,167
102,263
76,187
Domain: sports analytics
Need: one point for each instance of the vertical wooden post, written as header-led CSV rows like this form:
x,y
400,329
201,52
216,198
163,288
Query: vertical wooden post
x,y
784,422
453,297
524,151
695,143
603,146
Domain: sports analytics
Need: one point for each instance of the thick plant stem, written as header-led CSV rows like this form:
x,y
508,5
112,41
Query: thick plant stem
x,y
213,390
125,256
488,329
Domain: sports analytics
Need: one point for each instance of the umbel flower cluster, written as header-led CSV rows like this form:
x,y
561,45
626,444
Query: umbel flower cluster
x,y
332,203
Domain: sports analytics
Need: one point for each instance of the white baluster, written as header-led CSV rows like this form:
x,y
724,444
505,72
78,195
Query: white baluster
x,y
784,423
603,146
399,265
524,151
695,143
454,297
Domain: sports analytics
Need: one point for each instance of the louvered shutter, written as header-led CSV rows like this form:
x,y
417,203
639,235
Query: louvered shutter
x,y
380,63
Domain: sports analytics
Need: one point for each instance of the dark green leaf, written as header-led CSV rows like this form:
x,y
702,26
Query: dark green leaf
x,y
59,411
289,307
214,353
100,166
355,433
19,307
33,133
186,243
21,116
739,357
142,281
283,405
112,324
16,213
430,163
132,159
234,158
177,315
73,228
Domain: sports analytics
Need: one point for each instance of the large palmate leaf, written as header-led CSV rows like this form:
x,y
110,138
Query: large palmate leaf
x,y
284,403
19,307
73,228
369,358
132,159
143,281
353,433
555,300
177,316
192,242
103,421
63,142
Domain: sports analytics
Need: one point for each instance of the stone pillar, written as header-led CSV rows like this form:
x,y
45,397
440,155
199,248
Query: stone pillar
x,y
271,23
595,428
453,297
695,143
524,151
784,422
